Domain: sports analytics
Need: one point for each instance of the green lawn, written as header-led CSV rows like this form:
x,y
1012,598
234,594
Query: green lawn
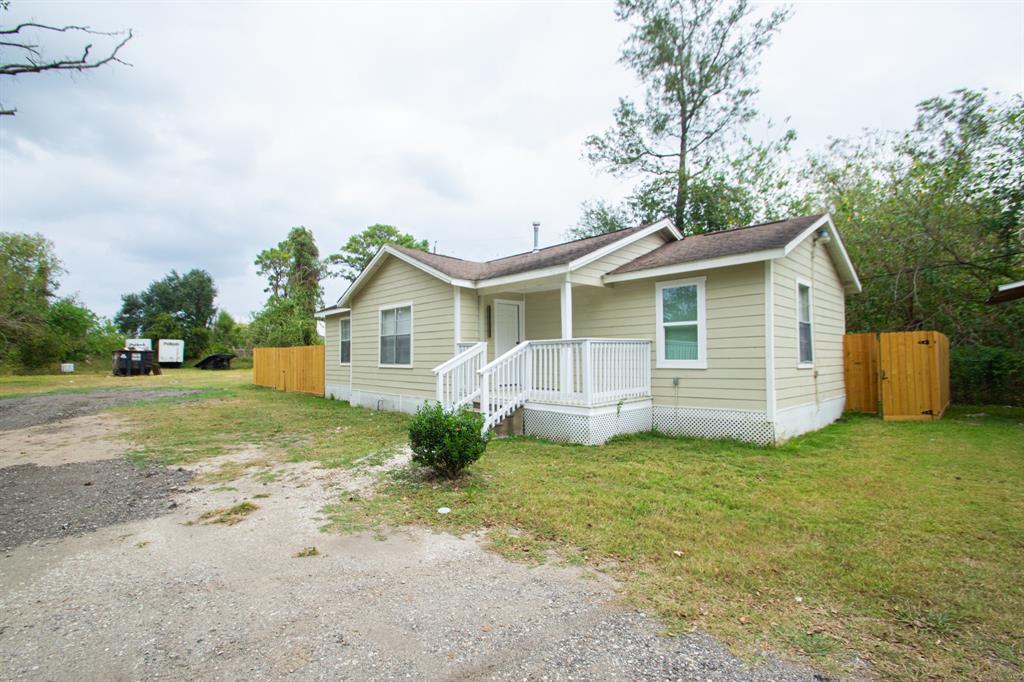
x,y
898,543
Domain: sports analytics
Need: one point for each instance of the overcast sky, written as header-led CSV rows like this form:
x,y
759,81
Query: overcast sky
x,y
458,122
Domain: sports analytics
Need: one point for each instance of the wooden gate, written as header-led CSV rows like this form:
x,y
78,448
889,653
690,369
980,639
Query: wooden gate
x,y
299,369
904,374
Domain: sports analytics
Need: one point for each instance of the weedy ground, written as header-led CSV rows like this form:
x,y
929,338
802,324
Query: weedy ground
x,y
892,544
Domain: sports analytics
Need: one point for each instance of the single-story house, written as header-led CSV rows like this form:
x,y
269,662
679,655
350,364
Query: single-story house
x,y
1010,291
733,334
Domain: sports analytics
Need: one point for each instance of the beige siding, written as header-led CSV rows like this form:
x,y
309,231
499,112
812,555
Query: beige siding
x,y
469,315
432,329
735,377
591,274
335,373
544,315
795,386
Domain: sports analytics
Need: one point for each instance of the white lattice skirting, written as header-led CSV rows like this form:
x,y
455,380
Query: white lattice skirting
x,y
749,426
586,425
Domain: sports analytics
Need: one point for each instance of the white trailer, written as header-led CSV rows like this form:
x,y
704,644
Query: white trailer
x,y
171,352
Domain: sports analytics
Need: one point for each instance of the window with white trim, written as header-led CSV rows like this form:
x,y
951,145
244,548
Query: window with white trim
x,y
345,340
682,330
805,329
396,336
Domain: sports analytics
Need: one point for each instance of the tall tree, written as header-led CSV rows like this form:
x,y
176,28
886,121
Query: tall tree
x,y
360,248
25,51
175,304
933,218
293,270
29,272
697,60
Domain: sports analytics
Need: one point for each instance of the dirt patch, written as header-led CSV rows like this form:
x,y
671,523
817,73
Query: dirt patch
x,y
19,413
79,439
70,499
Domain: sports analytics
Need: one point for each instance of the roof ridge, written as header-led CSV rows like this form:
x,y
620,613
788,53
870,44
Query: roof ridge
x,y
766,224
574,241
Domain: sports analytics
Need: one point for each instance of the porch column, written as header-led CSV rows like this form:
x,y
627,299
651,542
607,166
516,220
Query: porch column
x,y
566,361
566,297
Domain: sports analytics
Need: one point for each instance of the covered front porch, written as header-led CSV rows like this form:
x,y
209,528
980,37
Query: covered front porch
x,y
577,389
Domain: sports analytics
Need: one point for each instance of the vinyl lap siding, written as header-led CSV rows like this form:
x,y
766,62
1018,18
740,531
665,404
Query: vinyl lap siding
x,y
335,373
591,274
795,386
470,315
433,330
735,377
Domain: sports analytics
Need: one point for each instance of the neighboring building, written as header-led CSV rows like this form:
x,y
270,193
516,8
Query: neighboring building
x,y
1007,292
734,334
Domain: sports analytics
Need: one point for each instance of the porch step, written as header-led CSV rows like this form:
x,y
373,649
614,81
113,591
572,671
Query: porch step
x,y
511,425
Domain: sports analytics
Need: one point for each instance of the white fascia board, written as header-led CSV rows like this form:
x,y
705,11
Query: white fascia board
x,y
663,224
518,277
332,312
1010,285
836,249
387,250
693,266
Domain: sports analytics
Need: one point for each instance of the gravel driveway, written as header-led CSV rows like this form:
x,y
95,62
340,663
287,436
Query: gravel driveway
x,y
160,593
18,413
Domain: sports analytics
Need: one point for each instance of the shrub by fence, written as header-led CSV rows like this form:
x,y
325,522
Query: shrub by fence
x,y
299,369
984,375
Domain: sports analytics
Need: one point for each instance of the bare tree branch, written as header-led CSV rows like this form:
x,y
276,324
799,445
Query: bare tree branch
x,y
33,62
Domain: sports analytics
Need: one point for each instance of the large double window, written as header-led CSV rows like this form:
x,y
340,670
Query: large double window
x,y
396,336
682,330
345,338
804,324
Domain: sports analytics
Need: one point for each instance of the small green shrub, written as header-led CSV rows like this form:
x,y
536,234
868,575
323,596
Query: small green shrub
x,y
985,375
447,442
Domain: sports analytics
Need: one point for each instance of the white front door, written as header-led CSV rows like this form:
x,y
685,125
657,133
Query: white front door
x,y
507,326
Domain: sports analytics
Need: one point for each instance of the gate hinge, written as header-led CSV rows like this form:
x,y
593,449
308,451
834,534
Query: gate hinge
x,y
931,412
925,342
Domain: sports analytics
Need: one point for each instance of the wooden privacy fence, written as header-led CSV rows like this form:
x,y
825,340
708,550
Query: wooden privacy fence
x,y
902,375
299,369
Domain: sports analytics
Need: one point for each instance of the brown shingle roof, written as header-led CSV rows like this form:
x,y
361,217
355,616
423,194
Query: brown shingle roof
x,y
719,244
559,254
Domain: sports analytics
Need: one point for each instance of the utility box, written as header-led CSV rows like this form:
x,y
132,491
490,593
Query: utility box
x,y
171,352
67,367
128,362
138,344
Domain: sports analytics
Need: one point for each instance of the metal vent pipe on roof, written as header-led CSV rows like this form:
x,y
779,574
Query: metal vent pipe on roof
x,y
536,236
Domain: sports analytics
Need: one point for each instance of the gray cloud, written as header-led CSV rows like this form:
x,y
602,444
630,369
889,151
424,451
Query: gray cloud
x,y
461,123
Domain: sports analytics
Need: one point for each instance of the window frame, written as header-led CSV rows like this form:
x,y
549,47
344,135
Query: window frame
x,y
801,281
341,340
702,325
380,327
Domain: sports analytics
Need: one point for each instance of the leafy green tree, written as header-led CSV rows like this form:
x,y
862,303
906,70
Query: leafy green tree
x,y
273,264
187,300
360,248
226,334
70,322
304,271
29,272
282,322
697,60
932,218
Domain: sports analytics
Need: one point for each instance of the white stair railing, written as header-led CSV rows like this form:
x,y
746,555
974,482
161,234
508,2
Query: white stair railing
x,y
458,379
580,372
504,384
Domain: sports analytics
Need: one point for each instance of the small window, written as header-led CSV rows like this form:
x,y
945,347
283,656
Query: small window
x,y
805,330
681,327
396,336
345,336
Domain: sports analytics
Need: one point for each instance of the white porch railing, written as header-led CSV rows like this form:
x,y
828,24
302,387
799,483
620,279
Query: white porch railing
x,y
458,379
580,372
464,345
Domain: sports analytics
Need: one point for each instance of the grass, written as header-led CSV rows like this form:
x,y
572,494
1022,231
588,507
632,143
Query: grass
x,y
235,415
229,516
897,543
900,544
307,552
